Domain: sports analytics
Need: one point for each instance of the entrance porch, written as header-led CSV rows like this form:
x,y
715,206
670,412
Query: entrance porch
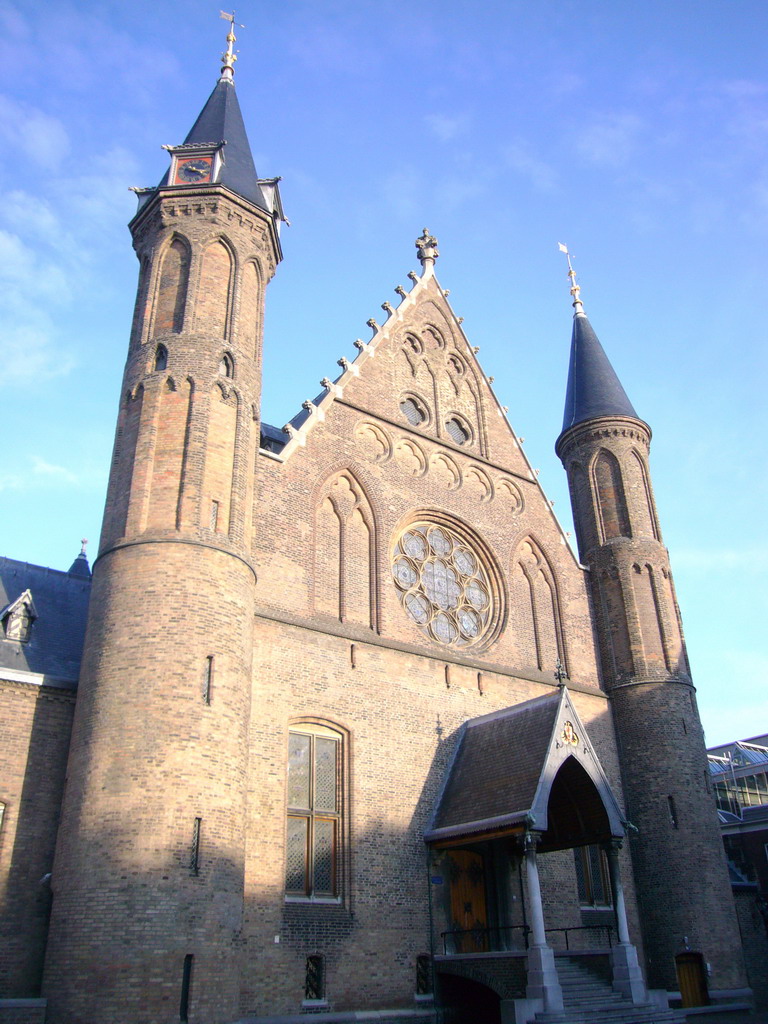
x,y
524,864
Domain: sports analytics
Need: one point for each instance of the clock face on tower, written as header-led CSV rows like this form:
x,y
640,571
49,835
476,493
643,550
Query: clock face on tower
x,y
193,170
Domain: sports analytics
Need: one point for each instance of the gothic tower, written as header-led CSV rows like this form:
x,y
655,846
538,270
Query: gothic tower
x,y
677,851
148,877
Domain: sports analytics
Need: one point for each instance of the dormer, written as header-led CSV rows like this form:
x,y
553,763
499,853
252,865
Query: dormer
x,y
18,618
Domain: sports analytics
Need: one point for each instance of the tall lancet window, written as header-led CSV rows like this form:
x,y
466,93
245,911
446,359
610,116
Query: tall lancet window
x,y
314,832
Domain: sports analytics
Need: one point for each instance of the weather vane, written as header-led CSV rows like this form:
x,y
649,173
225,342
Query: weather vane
x,y
575,289
229,57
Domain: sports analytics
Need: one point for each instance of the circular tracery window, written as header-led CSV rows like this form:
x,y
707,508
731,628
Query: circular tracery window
x,y
443,585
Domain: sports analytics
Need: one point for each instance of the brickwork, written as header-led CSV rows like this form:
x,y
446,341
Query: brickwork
x,y
646,672
238,594
34,741
172,289
139,885
398,470
22,1011
505,975
754,939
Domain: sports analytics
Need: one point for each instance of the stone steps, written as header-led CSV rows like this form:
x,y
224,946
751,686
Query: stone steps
x,y
588,999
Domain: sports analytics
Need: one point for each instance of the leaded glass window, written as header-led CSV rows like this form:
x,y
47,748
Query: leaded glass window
x,y
314,813
459,434
592,876
314,984
443,584
413,411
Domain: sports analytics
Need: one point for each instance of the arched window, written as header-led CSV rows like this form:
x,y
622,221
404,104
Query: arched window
x,y
227,365
592,876
161,358
314,835
413,410
610,493
459,432
172,288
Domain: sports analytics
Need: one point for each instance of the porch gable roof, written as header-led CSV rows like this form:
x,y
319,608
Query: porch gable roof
x,y
504,765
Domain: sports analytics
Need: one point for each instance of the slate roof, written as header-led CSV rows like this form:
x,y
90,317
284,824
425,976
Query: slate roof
x,y
593,390
55,646
220,120
273,439
490,785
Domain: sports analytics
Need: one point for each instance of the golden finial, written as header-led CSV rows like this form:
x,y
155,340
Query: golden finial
x,y
229,57
575,289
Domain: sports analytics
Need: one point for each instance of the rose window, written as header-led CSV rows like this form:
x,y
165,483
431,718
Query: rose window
x,y
442,584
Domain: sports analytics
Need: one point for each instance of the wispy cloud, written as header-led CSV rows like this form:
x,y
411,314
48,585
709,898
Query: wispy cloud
x,y
33,352
39,474
444,127
520,157
61,474
38,136
11,482
610,140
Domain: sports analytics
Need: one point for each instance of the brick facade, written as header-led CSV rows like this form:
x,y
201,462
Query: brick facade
x,y
34,742
646,673
242,592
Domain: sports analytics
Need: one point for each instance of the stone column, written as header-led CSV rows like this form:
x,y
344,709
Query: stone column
x,y
543,983
627,976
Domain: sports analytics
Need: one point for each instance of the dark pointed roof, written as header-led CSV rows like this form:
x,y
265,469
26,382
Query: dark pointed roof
x,y
220,120
594,390
80,566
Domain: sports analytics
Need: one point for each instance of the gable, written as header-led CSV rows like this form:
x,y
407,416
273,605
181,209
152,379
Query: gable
x,y
420,376
413,427
507,774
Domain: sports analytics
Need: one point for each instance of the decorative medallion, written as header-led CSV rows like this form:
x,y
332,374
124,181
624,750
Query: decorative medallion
x,y
569,736
443,584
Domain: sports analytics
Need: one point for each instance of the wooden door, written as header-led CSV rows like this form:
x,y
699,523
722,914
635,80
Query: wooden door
x,y
469,918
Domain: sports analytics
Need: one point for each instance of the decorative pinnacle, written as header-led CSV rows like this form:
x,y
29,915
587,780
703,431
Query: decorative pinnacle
x,y
83,543
229,57
560,674
426,249
575,289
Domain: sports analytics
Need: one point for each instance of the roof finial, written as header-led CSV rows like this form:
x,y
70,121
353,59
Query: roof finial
x,y
83,544
426,246
575,289
229,57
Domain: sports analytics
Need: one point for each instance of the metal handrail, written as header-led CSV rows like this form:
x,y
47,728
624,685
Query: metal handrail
x,y
608,928
484,940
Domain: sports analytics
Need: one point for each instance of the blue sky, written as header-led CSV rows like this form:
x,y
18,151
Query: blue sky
x,y
635,133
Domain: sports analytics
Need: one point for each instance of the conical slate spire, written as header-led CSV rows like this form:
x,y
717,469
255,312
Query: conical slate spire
x,y
80,565
220,121
594,390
